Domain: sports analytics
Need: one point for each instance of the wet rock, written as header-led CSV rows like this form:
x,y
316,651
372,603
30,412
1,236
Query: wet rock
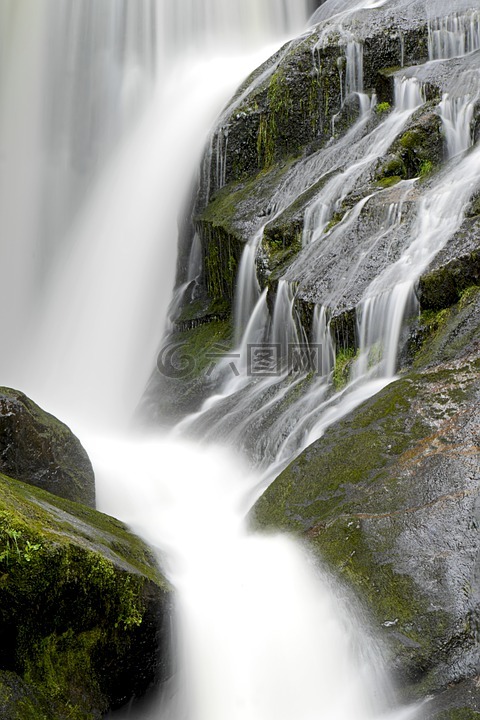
x,y
84,609
390,499
39,449
17,699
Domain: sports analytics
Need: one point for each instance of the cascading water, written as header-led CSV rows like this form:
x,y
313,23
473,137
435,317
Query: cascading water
x,y
104,196
106,146
454,35
275,417
92,304
457,116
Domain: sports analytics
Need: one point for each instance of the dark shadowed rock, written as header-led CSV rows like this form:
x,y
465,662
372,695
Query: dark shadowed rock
x,y
38,449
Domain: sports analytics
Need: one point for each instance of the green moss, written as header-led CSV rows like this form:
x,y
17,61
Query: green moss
x,y
343,365
411,139
434,320
388,181
337,217
421,146
273,123
394,167
426,168
72,589
464,713
469,295
60,666
443,287
382,108
395,598
201,347
199,310
222,257
350,495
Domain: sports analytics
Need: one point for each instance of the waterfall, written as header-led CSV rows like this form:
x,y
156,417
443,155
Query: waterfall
x,y
408,97
117,103
354,67
92,265
457,116
454,35
118,98
263,637
248,289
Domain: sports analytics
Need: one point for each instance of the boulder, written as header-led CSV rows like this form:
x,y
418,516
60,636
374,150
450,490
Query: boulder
x,y
84,610
40,450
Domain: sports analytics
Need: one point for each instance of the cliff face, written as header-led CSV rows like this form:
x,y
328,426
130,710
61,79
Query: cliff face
x,y
329,151
347,165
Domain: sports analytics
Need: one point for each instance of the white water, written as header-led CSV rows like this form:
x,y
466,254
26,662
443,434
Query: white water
x,y
454,35
90,307
457,116
262,635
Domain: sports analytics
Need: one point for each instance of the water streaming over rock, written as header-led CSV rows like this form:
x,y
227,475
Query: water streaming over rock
x,y
137,150
454,35
457,116
104,194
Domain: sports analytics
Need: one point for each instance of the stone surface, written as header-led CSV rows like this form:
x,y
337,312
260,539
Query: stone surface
x,y
390,498
84,610
38,449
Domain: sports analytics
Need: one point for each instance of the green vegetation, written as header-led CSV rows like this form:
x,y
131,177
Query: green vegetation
x,y
275,120
463,713
383,108
468,295
343,365
426,168
388,181
353,494
444,287
199,347
73,596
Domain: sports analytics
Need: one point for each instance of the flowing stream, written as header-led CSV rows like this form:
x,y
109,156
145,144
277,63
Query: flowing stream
x,y
105,110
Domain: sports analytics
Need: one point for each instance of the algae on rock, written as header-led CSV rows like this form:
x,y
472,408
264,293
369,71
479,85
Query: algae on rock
x,y
84,609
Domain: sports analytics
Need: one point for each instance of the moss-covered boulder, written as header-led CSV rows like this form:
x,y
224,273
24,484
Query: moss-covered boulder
x,y
389,498
84,609
299,97
39,449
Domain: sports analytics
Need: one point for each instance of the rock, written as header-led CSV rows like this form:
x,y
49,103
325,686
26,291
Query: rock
x,y
84,610
40,450
186,371
17,699
390,499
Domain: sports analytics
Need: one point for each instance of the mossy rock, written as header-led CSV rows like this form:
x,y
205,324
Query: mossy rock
x,y
421,146
289,105
443,286
417,152
186,370
373,497
392,167
84,609
39,449
17,699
